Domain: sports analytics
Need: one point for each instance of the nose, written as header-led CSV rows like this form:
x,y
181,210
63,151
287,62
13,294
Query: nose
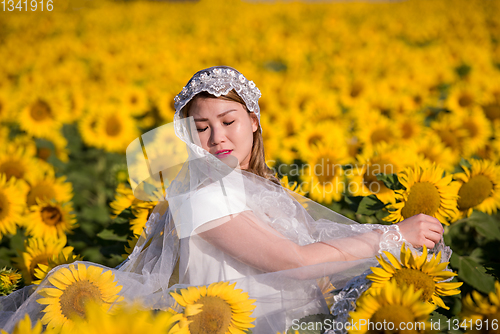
x,y
217,136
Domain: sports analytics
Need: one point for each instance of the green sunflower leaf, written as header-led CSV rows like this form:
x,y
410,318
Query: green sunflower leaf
x,y
107,234
370,205
473,273
438,322
391,181
485,225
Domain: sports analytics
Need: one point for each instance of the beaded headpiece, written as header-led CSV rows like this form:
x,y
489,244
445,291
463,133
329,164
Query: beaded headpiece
x,y
220,80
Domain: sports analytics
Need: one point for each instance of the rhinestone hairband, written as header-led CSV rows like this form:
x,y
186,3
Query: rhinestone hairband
x,y
218,81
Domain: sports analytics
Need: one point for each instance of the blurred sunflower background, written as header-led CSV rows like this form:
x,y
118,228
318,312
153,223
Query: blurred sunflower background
x,y
376,110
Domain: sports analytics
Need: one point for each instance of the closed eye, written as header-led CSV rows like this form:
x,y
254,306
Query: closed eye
x,y
228,123
201,130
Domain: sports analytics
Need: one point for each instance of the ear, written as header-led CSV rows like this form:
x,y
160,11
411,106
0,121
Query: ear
x,y
255,121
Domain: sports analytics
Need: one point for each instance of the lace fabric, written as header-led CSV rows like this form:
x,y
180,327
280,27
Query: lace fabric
x,y
219,81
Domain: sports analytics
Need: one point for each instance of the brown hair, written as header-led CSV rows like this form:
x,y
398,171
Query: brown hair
x,y
257,164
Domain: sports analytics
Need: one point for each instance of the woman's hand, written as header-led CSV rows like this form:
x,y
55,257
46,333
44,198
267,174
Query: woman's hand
x,y
421,230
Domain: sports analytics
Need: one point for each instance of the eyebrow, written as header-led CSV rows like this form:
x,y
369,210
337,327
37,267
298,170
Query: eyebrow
x,y
218,116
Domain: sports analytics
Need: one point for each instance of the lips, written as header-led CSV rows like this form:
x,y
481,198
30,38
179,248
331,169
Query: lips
x,y
223,153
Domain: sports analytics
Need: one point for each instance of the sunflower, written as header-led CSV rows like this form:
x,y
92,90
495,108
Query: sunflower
x,y
130,319
24,326
131,242
381,159
87,126
141,210
46,186
73,287
423,273
66,256
479,187
134,99
9,278
410,126
450,132
326,133
50,219
8,110
462,98
38,251
324,174
353,93
19,162
292,186
478,129
479,309
224,309
430,148
115,130
59,150
12,204
374,128
164,101
39,117
124,197
426,191
394,306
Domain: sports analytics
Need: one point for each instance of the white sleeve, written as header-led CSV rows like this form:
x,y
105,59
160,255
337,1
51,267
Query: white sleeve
x,y
209,203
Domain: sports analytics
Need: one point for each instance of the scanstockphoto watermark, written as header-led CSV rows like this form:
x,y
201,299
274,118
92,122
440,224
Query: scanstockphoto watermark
x,y
335,178
326,168
330,324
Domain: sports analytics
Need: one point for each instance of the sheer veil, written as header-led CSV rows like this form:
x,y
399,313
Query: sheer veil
x,y
189,239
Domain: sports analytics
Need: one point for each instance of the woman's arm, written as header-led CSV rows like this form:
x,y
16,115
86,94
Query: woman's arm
x,y
247,239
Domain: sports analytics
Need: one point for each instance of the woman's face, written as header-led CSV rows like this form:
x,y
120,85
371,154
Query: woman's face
x,y
225,128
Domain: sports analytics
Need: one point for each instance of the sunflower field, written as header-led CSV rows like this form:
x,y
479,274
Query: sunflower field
x,y
378,110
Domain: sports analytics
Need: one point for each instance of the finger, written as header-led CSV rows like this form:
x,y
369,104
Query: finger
x,y
429,244
433,236
436,227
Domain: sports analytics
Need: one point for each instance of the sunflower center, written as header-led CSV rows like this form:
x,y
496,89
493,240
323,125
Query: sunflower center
x,y
51,215
356,89
43,153
12,168
424,198
429,153
113,127
465,100
325,169
408,130
492,111
395,314
40,111
214,318
314,139
474,191
36,260
380,135
472,128
75,297
4,206
42,192
419,280
449,139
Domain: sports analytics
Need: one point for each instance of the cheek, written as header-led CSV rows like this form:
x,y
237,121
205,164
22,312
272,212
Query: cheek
x,y
204,138
243,134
